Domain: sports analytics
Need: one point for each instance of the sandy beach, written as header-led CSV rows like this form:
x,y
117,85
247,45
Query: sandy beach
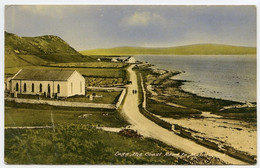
x,y
238,134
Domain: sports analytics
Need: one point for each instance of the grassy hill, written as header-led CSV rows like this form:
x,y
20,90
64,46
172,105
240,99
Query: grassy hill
x,y
198,49
23,51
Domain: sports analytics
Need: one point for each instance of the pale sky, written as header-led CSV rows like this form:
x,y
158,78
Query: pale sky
x,y
104,26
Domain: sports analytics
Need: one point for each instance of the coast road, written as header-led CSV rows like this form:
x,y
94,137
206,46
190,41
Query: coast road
x,y
149,129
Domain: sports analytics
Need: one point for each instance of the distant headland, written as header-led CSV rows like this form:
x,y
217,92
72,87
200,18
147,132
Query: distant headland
x,y
196,49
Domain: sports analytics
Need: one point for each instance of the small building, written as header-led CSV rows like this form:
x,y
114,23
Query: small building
x,y
130,60
58,83
114,60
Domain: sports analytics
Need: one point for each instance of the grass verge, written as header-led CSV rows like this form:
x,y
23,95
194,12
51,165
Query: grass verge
x,y
165,110
80,144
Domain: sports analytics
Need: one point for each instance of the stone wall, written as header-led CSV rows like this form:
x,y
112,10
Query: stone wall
x,y
117,89
150,115
121,98
63,103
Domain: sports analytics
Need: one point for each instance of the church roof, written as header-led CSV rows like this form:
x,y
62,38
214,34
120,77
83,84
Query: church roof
x,y
43,75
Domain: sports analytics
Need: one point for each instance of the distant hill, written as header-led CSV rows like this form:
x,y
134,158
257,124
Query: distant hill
x,y
22,51
197,49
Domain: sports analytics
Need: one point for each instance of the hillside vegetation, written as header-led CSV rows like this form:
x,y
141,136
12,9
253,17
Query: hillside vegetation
x,y
198,49
24,51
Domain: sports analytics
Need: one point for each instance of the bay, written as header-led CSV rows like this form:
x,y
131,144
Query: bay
x,y
230,77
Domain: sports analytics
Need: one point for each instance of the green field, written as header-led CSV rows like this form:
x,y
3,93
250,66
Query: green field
x,y
75,140
103,81
20,114
197,49
94,64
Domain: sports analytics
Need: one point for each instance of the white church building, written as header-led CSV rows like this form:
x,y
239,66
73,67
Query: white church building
x,y
59,83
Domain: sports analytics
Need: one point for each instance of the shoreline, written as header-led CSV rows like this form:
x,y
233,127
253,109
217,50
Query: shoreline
x,y
210,97
198,94
183,81
194,125
169,91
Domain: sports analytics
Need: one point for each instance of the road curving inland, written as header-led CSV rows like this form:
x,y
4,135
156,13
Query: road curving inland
x,y
149,129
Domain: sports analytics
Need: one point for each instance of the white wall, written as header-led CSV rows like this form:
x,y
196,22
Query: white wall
x,y
77,88
53,86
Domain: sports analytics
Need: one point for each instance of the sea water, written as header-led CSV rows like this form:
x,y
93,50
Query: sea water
x,y
230,77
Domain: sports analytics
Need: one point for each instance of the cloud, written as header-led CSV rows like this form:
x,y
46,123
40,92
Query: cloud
x,y
44,10
143,19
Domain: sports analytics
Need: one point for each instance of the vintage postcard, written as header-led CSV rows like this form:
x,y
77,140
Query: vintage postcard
x,y
130,85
